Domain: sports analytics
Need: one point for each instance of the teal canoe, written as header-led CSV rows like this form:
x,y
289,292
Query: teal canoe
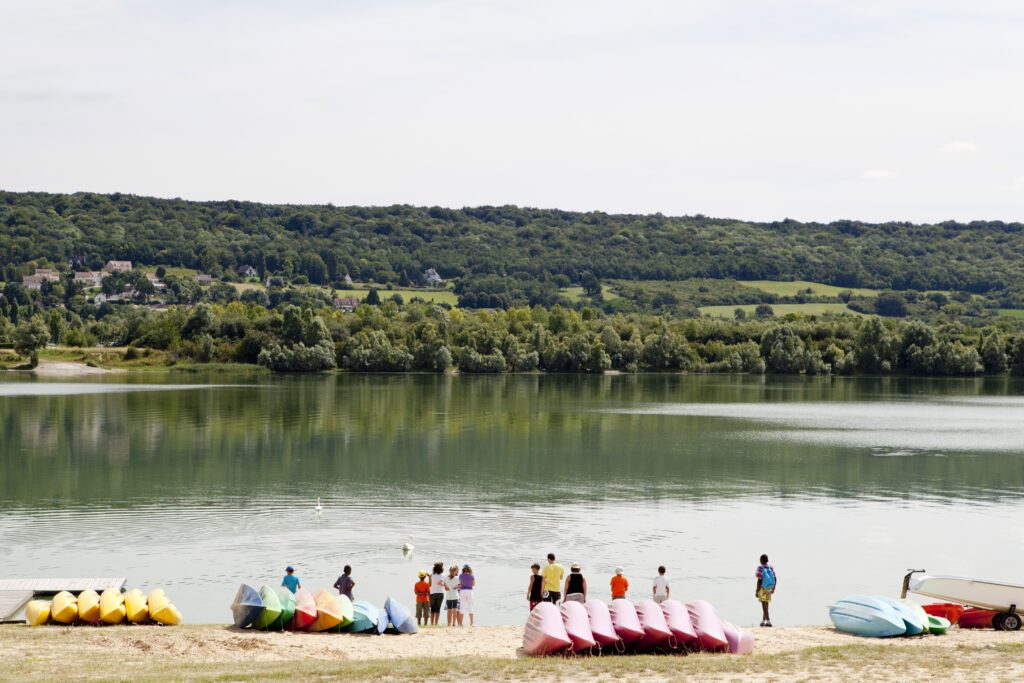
x,y
287,600
271,613
364,618
347,613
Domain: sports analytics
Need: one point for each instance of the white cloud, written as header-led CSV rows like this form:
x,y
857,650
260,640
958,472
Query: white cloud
x,y
879,175
958,147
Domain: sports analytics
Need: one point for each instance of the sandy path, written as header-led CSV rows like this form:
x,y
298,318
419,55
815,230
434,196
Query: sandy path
x,y
60,368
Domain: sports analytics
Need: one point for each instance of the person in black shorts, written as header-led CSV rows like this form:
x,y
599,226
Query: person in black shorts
x,y
436,592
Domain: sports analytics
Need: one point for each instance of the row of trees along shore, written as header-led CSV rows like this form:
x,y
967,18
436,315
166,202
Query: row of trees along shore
x,y
393,337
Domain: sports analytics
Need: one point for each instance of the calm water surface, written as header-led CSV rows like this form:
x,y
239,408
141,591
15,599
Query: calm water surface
x,y
195,483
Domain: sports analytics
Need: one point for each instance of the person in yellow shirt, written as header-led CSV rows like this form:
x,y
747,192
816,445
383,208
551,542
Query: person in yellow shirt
x,y
620,584
553,574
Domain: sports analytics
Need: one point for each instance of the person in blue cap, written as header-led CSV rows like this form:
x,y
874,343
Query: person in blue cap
x,y
290,581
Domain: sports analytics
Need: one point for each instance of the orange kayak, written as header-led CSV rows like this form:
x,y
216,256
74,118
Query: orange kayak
x,y
305,610
328,611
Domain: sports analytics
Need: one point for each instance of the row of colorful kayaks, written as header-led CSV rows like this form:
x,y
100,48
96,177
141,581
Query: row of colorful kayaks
x,y
875,616
278,609
626,627
110,607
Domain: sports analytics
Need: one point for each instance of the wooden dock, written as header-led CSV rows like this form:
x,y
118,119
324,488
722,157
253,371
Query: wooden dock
x,y
15,593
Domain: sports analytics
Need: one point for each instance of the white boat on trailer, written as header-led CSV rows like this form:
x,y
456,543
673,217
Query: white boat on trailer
x,y
1000,596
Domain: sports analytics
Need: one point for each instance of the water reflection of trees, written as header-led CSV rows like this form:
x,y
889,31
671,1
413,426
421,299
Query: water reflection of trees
x,y
494,438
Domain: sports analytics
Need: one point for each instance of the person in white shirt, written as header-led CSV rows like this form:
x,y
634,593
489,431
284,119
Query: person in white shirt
x,y
451,596
436,592
661,588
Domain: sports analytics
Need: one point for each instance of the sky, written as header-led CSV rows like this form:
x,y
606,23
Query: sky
x,y
761,110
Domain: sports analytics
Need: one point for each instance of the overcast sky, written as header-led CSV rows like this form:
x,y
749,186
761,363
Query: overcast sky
x,y
761,110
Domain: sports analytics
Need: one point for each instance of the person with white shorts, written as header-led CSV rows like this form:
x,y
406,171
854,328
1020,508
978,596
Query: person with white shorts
x,y
466,584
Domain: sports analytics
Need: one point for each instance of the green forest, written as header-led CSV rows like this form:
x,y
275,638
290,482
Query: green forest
x,y
538,290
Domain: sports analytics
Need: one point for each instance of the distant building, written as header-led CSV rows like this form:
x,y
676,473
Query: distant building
x,y
90,278
48,274
431,277
33,281
154,280
204,279
347,304
348,279
118,267
248,271
100,298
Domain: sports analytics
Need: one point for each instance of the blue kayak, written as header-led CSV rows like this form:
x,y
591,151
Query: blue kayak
x,y
400,617
913,622
863,615
364,618
247,606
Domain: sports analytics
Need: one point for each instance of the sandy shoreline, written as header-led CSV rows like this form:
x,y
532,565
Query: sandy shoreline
x,y
799,653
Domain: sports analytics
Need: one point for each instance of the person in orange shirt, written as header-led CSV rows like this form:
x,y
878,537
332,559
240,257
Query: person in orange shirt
x,y
620,584
422,590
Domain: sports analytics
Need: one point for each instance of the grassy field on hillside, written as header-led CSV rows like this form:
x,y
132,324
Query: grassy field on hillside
x,y
437,296
780,309
575,294
1012,313
793,288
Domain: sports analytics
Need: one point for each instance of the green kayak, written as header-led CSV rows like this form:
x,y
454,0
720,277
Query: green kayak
x,y
347,614
271,612
937,626
287,600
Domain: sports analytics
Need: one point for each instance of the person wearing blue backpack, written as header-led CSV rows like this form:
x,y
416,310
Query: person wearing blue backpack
x,y
767,581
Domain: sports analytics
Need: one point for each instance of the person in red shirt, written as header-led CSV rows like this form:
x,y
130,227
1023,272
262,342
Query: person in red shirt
x,y
422,590
620,584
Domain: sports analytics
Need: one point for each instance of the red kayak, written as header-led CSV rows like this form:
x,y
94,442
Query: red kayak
x,y
946,610
977,618
305,610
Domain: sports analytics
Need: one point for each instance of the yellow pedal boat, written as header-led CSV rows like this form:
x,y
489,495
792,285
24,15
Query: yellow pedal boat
x,y
161,610
89,606
37,612
112,609
136,606
64,608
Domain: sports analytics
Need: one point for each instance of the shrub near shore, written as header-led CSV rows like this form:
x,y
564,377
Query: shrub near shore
x,y
423,337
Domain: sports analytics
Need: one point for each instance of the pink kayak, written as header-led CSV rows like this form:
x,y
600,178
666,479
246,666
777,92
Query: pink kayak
x,y
601,623
545,632
625,620
656,630
740,642
710,635
678,619
577,626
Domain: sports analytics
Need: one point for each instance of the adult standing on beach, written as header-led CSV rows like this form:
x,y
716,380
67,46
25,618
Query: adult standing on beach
x,y
535,589
767,581
290,580
467,582
660,588
451,596
575,585
553,574
436,592
345,584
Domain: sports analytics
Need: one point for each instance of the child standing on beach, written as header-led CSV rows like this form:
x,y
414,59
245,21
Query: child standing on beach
x,y
661,588
345,584
620,584
767,580
535,590
467,582
436,592
290,581
422,591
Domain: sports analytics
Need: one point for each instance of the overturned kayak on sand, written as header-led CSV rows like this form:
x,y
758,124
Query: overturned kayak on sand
x,y
37,612
545,632
89,606
271,612
400,617
246,606
136,606
365,618
601,626
707,625
305,610
112,609
64,608
626,621
577,626
656,631
863,615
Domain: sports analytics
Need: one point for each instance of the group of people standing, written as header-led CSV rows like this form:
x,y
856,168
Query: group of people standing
x,y
454,590
550,583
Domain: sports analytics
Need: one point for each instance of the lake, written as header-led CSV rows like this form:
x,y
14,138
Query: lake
x,y
196,483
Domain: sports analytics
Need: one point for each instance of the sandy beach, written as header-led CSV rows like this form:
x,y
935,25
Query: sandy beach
x,y
203,652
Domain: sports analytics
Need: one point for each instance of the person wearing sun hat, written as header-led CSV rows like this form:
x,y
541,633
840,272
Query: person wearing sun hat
x,y
575,584
620,584
422,591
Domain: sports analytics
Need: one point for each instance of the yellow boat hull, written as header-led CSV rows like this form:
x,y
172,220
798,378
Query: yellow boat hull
x,y
136,606
64,608
161,610
37,612
89,606
112,609
328,611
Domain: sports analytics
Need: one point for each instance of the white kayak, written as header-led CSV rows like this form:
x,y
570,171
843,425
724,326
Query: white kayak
x,y
994,595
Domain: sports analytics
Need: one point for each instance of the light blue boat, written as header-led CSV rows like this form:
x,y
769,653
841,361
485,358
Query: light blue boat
x,y
911,619
863,615
400,617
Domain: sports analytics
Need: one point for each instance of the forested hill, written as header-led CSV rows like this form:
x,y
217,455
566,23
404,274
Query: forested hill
x,y
396,244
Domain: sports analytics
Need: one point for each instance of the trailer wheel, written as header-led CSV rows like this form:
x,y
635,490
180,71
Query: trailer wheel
x,y
997,622
1010,622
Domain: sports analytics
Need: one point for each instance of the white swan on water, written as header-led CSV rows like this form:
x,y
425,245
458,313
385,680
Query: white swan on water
x,y
319,507
408,547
